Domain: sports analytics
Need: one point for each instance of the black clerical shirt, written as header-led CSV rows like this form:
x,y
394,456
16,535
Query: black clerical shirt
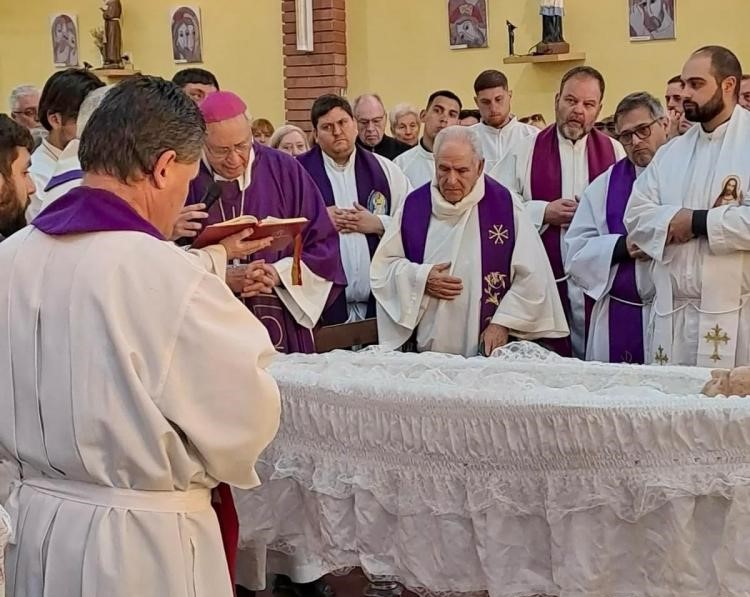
x,y
388,147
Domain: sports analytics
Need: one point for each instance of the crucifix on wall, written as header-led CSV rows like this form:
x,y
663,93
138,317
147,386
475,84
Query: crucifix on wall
x,y
304,12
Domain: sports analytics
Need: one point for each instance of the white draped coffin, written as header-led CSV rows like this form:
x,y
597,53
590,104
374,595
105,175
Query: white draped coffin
x,y
519,475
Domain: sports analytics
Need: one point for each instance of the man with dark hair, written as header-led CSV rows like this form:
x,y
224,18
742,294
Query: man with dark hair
x,y
362,191
196,82
16,186
442,111
498,129
689,213
745,92
469,117
369,112
61,99
610,268
678,124
138,423
262,182
552,170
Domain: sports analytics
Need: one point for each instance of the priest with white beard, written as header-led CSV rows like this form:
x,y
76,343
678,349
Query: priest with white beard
x,y
551,171
608,266
418,164
689,212
461,266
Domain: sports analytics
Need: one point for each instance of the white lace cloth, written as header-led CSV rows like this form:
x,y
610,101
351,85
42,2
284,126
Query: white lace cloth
x,y
515,475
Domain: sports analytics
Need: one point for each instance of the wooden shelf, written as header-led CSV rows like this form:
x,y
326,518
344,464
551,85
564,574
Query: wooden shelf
x,y
543,58
115,73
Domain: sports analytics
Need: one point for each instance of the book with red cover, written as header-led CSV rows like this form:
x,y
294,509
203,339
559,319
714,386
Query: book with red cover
x,y
283,232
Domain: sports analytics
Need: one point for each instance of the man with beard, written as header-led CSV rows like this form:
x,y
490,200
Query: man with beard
x,y
610,268
418,164
551,171
678,124
745,92
16,186
498,129
701,265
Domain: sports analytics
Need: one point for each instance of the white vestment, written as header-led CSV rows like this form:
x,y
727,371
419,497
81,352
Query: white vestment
x,y
496,143
355,252
417,164
67,162
131,383
43,163
530,309
590,247
514,171
702,286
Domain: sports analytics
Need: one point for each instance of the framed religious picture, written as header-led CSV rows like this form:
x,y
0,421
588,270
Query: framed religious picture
x,y
467,23
64,32
652,19
187,45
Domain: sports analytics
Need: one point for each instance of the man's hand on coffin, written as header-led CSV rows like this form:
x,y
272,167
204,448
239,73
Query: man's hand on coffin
x,y
681,227
560,212
361,220
186,226
239,245
441,285
493,337
257,280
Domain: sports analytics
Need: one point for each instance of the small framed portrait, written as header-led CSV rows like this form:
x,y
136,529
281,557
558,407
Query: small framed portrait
x,y
64,31
187,42
467,24
652,19
731,192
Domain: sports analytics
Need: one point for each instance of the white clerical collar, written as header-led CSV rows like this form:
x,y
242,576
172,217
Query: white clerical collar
x,y
423,151
444,209
243,181
491,130
52,151
565,141
639,170
716,134
331,164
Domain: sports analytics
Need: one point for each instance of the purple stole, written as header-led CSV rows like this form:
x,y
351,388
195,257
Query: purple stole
x,y
625,321
546,185
62,178
497,231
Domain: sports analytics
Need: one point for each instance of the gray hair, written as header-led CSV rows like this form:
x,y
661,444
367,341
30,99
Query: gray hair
x,y
641,99
365,96
19,92
283,131
88,106
401,110
459,133
136,123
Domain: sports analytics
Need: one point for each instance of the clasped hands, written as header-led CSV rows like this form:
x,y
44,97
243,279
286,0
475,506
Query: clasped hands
x,y
355,219
560,212
680,227
257,277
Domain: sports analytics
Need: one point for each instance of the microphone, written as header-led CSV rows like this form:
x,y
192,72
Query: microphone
x,y
210,196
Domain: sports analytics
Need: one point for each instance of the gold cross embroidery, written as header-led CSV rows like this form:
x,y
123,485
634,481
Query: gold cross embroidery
x,y
495,282
661,356
716,335
499,234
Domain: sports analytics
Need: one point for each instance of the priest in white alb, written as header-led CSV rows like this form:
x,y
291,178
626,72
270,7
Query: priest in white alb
x,y
132,382
551,171
601,259
461,266
690,213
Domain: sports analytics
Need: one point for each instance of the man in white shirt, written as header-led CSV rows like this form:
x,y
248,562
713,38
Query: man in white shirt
x,y
362,191
418,164
499,129
689,212
551,171
600,258
462,265
61,99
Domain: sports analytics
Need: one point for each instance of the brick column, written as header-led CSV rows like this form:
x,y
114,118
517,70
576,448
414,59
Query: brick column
x,y
308,75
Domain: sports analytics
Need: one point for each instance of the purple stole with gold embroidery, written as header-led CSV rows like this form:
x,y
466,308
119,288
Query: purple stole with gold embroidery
x,y
546,185
625,320
497,231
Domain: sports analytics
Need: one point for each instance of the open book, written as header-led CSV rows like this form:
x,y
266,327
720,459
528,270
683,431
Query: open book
x,y
283,232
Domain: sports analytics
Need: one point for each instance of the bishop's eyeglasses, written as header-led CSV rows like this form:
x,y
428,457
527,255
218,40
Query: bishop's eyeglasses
x,y
643,132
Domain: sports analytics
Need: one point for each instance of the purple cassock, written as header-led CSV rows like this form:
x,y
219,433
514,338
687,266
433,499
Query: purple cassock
x,y
546,185
280,188
372,183
625,320
498,239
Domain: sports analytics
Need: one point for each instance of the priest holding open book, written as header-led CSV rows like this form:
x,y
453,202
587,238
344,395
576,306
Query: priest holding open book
x,y
288,295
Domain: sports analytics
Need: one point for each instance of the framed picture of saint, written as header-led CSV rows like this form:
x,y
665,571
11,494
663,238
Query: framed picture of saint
x,y
652,19
731,192
187,45
64,31
467,24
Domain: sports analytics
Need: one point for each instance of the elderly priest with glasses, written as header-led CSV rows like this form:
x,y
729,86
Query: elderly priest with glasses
x,y
461,267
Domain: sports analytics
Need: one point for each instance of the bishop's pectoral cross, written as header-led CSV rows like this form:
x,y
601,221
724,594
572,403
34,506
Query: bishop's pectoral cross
x,y
715,336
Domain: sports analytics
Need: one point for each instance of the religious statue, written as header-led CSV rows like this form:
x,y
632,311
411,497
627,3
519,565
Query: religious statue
x,y
112,11
552,12
511,38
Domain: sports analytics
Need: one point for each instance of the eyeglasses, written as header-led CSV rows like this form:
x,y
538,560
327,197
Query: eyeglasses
x,y
223,152
643,132
28,113
364,123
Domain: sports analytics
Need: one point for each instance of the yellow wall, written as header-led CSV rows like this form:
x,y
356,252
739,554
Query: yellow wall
x,y
241,44
400,49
